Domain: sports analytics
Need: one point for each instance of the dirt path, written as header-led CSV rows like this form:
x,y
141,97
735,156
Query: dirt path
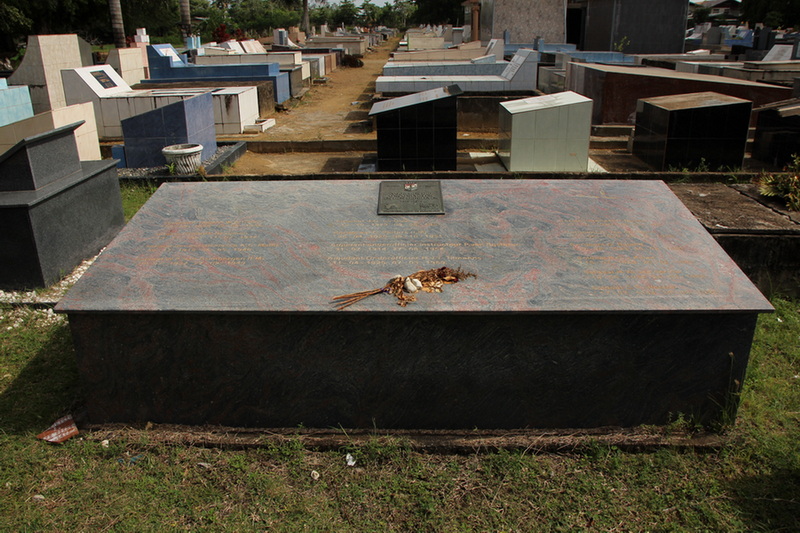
x,y
334,110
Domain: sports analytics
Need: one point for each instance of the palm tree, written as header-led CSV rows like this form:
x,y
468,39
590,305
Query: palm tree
x,y
117,27
306,27
186,18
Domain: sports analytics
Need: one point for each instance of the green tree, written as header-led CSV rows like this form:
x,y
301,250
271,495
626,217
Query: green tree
x,y
776,12
399,15
306,21
321,15
89,18
210,16
345,14
160,17
773,19
117,26
13,24
260,16
439,12
186,17
701,14
370,13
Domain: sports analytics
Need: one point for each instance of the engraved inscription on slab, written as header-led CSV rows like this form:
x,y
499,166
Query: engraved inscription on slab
x,y
410,198
104,80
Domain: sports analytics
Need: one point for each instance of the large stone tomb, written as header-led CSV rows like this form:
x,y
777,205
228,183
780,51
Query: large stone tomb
x,y
418,131
55,210
45,57
777,136
114,100
616,89
189,121
167,65
596,303
692,130
546,133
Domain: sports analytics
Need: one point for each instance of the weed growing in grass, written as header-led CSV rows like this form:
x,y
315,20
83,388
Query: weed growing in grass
x,y
134,195
785,186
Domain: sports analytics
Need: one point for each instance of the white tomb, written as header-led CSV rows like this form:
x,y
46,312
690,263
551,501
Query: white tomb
x,y
235,46
519,74
252,46
114,100
284,59
128,63
546,133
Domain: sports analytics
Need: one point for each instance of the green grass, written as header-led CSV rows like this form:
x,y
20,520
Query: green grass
x,y
139,484
134,195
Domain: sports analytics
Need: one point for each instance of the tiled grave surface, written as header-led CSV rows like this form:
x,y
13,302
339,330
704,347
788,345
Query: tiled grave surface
x,y
442,68
463,52
614,89
546,133
351,45
284,59
776,72
85,134
15,103
40,70
562,58
128,63
418,131
186,121
113,99
424,42
595,303
518,75
167,65
691,130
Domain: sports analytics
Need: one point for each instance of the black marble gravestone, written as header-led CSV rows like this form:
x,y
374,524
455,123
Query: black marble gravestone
x,y
777,136
689,130
418,131
595,303
55,210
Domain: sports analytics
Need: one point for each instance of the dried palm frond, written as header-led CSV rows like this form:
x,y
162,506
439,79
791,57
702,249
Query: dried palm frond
x,y
404,287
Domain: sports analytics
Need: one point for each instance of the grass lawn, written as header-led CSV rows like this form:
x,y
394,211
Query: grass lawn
x,y
138,484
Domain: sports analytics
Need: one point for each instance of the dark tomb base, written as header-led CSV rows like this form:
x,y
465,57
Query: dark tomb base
x,y
402,370
48,232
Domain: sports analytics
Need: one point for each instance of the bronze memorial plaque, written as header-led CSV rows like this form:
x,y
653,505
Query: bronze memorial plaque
x,y
410,198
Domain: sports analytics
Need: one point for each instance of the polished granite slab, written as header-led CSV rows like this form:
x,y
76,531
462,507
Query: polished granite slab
x,y
418,131
691,130
55,210
595,303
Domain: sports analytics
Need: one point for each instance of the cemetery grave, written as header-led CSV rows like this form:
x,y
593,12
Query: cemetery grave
x,y
114,100
56,210
688,130
166,65
92,306
519,75
581,285
596,305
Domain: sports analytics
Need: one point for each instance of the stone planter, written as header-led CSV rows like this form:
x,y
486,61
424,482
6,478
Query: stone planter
x,y
185,157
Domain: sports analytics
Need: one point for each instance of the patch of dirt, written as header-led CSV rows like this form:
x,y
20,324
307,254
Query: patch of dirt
x,y
336,109
428,441
723,209
295,163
